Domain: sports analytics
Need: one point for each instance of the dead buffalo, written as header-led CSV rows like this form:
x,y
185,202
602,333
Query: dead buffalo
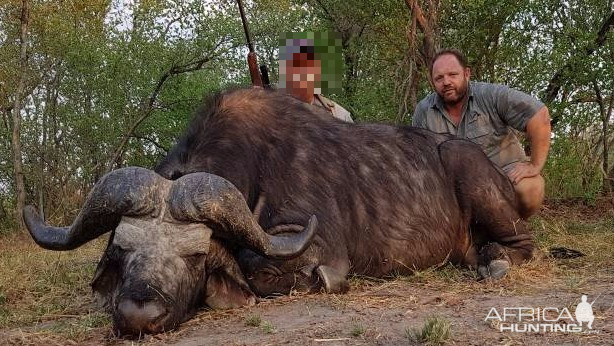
x,y
387,200
165,257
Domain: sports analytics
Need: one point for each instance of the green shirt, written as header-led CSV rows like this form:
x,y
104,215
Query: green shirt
x,y
491,112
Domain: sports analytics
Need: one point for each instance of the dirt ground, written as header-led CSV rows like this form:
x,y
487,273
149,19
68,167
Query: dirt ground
x,y
392,311
378,315
385,312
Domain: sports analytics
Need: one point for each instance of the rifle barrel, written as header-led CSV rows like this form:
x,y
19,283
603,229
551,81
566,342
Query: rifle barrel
x,y
250,45
596,299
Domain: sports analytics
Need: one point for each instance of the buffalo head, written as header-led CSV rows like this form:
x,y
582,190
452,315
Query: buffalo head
x,y
171,245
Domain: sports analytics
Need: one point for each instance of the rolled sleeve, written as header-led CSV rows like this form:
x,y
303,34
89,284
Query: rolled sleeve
x,y
515,107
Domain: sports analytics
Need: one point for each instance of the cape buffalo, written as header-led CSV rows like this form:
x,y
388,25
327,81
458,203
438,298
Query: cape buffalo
x,y
387,199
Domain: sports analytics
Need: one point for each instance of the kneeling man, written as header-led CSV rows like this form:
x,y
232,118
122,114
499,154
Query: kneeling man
x,y
486,114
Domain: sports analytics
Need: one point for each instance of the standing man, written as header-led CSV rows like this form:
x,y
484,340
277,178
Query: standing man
x,y
300,71
485,114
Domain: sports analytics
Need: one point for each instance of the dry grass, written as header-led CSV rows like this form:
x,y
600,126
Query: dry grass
x,y
45,296
435,331
589,231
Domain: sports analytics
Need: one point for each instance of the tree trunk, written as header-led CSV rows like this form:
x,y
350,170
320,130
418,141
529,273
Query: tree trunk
x,y
428,26
608,179
424,18
604,136
17,157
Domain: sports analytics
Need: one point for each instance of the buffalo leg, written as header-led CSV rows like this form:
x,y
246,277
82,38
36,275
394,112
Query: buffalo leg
x,y
488,196
269,277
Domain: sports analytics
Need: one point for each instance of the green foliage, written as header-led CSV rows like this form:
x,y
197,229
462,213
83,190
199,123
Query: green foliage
x,y
568,174
113,86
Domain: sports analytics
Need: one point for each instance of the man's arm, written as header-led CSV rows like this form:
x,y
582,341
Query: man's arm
x,y
538,131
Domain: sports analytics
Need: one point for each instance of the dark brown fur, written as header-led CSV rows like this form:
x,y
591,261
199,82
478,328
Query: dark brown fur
x,y
388,199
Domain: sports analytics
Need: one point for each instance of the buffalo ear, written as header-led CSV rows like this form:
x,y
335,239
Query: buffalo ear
x,y
226,292
226,286
105,278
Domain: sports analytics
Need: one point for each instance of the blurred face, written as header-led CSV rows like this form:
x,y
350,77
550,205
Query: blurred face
x,y
302,74
450,79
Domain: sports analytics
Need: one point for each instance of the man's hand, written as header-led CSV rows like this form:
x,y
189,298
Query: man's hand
x,y
522,170
538,132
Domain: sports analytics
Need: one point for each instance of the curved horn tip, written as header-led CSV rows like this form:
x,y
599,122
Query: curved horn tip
x,y
36,227
311,227
293,246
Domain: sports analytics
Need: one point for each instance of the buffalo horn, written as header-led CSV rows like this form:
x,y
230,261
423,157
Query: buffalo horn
x,y
213,200
128,191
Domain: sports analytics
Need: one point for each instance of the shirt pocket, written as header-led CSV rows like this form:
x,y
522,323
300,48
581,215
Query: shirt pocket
x,y
479,130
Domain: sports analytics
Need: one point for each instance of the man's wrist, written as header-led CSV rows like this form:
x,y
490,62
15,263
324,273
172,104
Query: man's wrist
x,y
537,166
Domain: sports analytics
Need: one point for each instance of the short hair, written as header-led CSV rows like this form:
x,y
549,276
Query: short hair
x,y
293,46
310,51
449,51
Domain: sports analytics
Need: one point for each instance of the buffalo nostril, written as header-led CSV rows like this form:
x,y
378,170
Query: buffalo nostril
x,y
140,317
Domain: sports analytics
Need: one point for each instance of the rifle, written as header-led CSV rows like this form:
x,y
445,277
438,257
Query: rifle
x,y
259,78
596,299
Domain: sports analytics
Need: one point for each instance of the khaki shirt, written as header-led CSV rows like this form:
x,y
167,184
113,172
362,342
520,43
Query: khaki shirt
x,y
491,112
333,107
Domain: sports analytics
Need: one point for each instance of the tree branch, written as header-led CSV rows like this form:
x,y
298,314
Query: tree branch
x,y
429,45
419,15
557,80
588,99
328,15
148,107
147,139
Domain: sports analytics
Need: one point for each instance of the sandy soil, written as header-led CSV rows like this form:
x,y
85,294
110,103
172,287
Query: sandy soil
x,y
384,313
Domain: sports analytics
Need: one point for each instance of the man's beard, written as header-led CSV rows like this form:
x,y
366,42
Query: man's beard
x,y
457,97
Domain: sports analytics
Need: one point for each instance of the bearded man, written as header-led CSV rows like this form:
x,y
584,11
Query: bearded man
x,y
486,114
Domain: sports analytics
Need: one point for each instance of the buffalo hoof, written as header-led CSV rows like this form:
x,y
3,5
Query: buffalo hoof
x,y
495,270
